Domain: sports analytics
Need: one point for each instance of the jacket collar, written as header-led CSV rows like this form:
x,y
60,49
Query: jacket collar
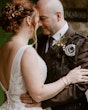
x,y
61,32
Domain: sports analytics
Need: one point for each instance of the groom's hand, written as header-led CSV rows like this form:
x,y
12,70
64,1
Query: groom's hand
x,y
28,101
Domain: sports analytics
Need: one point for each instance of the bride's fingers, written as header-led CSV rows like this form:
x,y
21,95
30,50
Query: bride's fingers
x,y
83,70
28,101
24,95
83,80
25,98
83,73
31,105
84,77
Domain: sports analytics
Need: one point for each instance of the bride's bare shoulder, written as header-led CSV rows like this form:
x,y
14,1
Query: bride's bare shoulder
x,y
30,51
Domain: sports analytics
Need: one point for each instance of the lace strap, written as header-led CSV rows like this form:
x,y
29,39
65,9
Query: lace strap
x,y
17,59
4,89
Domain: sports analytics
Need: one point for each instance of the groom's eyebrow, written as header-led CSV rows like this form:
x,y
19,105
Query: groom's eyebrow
x,y
43,17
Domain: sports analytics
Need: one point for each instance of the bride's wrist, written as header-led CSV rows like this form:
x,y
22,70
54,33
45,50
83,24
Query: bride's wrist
x,y
66,80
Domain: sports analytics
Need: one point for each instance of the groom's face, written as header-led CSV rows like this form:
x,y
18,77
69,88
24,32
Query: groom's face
x,y
47,20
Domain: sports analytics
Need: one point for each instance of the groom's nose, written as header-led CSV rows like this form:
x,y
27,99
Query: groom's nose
x,y
40,23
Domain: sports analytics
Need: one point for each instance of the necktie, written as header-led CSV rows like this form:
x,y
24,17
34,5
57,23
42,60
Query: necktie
x,y
50,42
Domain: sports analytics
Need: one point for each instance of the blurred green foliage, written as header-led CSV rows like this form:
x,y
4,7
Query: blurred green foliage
x,y
1,96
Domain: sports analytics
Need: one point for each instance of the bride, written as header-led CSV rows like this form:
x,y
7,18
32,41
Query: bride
x,y
21,68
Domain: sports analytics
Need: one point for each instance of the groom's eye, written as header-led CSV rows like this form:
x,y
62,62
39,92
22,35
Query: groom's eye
x,y
43,18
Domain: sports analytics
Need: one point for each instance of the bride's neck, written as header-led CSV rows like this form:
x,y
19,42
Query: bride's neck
x,y
22,36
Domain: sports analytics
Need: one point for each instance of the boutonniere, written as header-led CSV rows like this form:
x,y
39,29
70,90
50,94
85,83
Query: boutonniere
x,y
70,50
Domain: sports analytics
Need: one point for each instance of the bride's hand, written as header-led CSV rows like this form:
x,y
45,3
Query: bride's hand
x,y
28,101
77,75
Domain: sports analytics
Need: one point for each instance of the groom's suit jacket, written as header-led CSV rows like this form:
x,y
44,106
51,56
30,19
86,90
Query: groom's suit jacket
x,y
59,64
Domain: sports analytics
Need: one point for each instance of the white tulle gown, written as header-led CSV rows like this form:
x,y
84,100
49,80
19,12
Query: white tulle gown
x,y
17,85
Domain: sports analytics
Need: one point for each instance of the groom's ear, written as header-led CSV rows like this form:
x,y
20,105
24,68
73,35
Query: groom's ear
x,y
58,16
28,20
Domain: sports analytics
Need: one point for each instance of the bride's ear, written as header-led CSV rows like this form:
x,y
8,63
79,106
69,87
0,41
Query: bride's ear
x,y
28,20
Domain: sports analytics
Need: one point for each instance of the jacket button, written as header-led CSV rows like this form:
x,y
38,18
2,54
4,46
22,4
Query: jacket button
x,y
69,108
79,104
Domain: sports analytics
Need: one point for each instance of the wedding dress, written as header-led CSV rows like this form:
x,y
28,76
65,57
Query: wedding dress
x,y
17,85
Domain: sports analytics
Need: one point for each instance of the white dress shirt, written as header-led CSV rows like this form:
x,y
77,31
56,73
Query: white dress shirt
x,y
58,35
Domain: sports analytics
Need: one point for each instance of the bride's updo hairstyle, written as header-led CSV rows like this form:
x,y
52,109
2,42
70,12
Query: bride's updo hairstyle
x,y
13,14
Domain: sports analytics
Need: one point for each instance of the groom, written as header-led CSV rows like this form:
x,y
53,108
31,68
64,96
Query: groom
x,y
68,50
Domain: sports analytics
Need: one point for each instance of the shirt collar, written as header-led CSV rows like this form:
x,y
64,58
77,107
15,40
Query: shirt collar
x,y
61,32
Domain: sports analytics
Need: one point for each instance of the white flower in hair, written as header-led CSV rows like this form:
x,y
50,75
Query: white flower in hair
x,y
13,15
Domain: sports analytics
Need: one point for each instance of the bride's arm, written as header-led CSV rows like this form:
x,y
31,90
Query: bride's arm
x,y
32,77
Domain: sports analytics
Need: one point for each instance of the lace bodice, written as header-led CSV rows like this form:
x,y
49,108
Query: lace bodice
x,y
17,85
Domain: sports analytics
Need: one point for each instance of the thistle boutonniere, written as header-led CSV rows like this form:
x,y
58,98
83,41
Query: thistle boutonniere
x,y
69,50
